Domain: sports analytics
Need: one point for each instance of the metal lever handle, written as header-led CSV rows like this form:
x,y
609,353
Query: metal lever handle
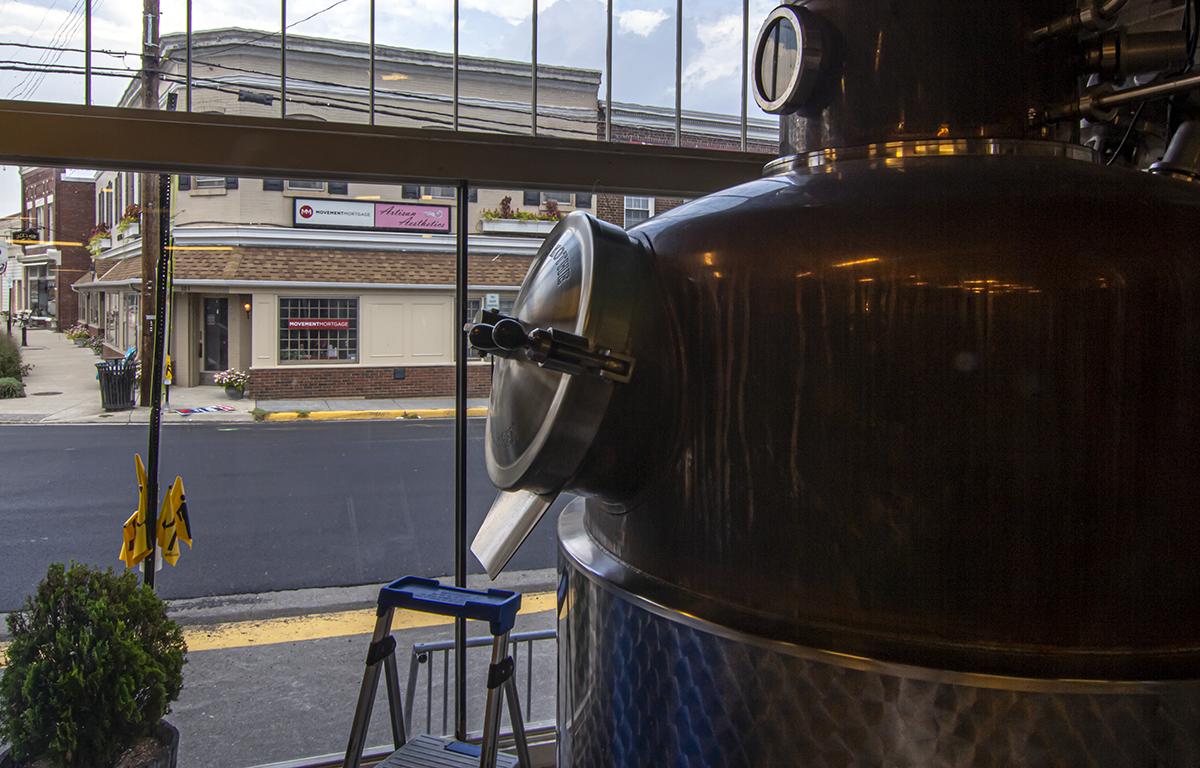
x,y
553,349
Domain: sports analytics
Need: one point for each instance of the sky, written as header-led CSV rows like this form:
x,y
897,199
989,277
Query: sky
x,y
33,33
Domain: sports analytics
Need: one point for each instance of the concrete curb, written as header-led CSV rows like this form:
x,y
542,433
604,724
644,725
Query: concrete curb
x,y
302,602
427,413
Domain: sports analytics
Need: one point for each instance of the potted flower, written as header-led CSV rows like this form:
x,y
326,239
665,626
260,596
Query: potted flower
x,y
78,333
99,238
96,344
234,382
130,223
93,666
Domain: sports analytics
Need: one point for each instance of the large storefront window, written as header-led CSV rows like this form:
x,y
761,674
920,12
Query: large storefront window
x,y
41,289
318,330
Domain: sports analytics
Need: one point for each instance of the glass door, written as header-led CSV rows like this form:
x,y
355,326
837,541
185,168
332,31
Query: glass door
x,y
216,335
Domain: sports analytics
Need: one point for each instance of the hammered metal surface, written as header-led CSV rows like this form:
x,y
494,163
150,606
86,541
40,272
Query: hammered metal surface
x,y
636,689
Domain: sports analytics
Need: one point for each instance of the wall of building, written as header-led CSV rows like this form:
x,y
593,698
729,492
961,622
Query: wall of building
x,y
368,382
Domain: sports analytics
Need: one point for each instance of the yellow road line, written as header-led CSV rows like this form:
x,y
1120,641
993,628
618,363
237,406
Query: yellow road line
x,y
243,634
426,413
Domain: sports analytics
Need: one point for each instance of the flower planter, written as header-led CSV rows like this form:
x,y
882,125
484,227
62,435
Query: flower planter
x,y
517,226
233,393
164,733
80,342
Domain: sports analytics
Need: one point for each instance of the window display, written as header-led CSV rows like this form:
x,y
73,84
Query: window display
x,y
318,330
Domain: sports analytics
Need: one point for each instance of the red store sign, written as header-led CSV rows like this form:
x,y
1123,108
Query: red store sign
x,y
310,325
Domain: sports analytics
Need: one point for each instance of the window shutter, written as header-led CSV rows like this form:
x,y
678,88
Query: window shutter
x,y
532,198
231,182
185,183
410,193
583,199
272,185
472,195
339,188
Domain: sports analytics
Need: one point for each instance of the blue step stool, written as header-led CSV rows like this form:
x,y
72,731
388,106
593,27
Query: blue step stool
x,y
498,607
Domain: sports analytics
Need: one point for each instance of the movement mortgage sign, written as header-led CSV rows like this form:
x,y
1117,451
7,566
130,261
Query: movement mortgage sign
x,y
392,217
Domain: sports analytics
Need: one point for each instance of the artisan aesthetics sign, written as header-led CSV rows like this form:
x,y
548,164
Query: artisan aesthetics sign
x,y
412,218
347,214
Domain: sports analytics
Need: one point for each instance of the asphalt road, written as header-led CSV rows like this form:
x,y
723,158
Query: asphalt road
x,y
273,506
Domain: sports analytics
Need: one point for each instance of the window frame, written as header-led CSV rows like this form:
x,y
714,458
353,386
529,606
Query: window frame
x,y
288,348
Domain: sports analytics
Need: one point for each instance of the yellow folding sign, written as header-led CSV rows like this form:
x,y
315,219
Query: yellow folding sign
x,y
173,523
133,545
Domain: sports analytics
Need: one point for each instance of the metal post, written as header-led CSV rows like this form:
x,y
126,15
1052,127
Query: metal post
x,y
533,101
188,81
679,73
608,78
745,59
371,119
454,74
282,58
87,52
460,463
155,374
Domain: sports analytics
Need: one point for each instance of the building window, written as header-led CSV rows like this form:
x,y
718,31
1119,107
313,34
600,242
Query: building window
x,y
638,209
306,186
408,192
129,320
318,330
440,191
583,200
208,182
562,198
112,316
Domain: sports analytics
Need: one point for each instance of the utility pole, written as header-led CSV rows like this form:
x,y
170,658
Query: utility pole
x,y
151,230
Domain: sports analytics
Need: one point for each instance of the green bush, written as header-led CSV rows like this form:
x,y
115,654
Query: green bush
x,y
10,388
10,357
93,665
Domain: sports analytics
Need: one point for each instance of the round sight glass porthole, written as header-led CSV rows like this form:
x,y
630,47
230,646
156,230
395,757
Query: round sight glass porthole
x,y
786,59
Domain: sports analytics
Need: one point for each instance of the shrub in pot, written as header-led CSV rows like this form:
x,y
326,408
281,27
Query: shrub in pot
x,y
93,665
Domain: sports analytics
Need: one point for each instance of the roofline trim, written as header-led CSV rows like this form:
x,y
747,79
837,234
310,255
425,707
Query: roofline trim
x,y
298,284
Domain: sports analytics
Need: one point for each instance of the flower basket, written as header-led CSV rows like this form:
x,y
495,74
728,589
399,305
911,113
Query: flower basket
x,y
234,382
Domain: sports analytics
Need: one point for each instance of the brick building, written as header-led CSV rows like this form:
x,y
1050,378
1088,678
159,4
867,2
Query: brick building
x,y
57,214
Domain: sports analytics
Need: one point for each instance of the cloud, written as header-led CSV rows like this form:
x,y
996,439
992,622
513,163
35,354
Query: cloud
x,y
641,22
720,52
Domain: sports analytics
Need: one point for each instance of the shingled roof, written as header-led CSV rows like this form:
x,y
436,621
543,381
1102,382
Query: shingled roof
x,y
331,266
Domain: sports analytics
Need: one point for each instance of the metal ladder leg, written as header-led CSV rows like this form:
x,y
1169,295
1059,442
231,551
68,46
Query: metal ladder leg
x,y
500,675
518,721
382,647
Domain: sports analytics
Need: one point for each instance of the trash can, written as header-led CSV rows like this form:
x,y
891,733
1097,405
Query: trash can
x,y
116,384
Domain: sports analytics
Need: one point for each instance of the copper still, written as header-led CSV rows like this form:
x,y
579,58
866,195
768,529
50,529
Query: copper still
x,y
889,457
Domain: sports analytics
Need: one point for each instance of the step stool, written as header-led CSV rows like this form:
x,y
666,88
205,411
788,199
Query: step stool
x,y
499,608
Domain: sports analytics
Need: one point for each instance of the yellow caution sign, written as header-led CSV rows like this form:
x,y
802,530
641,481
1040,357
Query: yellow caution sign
x,y
174,525
168,371
133,545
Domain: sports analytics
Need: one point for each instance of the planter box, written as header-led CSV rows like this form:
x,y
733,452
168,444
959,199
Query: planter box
x,y
164,732
517,227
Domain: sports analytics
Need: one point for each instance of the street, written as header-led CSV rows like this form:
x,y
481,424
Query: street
x,y
273,506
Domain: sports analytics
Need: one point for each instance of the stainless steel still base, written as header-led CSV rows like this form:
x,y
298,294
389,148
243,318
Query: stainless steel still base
x,y
641,684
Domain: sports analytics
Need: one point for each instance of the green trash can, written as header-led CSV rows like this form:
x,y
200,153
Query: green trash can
x,y
116,384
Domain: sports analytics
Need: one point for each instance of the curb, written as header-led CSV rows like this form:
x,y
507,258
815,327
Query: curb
x,y
427,413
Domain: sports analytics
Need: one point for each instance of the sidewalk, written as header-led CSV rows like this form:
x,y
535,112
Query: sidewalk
x,y
62,389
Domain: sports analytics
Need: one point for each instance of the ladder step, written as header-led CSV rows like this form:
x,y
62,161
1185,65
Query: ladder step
x,y
425,751
498,607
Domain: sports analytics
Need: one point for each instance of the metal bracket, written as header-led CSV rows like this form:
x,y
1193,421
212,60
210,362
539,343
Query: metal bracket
x,y
552,348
